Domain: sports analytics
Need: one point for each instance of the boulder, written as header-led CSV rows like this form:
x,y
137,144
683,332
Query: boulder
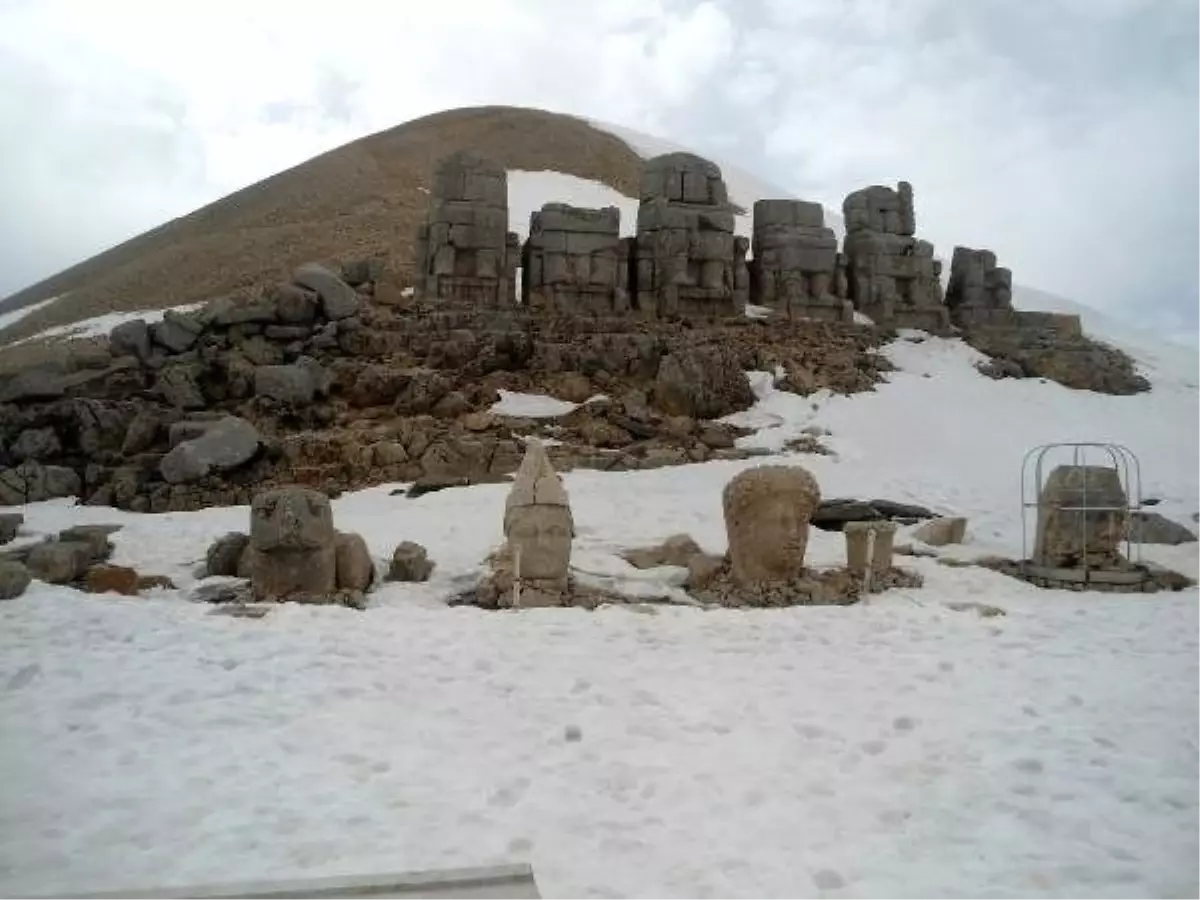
x,y
701,383
131,339
95,536
355,570
31,482
178,385
176,332
832,515
295,305
338,299
14,579
1155,528
59,562
410,562
38,383
290,384
942,531
225,555
10,524
227,311
227,443
36,443
111,580
676,550
141,434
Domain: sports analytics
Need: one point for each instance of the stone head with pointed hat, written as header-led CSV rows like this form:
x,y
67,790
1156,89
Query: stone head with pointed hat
x,y
537,519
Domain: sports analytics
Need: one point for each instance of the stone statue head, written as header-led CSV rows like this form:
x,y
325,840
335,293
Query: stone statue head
x,y
766,520
537,519
290,518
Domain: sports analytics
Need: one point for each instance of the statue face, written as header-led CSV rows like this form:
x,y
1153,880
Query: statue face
x,y
541,540
781,534
291,519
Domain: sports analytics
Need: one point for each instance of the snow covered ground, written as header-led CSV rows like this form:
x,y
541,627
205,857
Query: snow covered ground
x,y
893,748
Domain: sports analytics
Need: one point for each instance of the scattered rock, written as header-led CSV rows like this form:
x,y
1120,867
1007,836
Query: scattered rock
x,y
985,611
225,555
221,592
35,443
176,332
702,570
95,536
832,515
410,562
58,562
1155,528
131,339
702,383
10,524
355,570
942,531
155,582
106,579
14,579
225,444
677,550
32,482
338,299
237,610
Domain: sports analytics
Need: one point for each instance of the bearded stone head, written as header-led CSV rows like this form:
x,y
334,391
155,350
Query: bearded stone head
x,y
289,519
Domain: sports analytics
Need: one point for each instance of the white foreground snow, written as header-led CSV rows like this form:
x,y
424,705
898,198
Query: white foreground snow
x,y
894,748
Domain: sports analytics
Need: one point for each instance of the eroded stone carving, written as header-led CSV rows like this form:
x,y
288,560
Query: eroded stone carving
x,y
296,554
794,269
979,292
1069,536
575,261
891,276
687,255
464,250
766,520
539,528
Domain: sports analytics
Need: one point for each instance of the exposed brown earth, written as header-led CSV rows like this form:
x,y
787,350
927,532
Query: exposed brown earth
x,y
360,201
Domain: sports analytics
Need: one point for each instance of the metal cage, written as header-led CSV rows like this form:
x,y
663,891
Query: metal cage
x,y
1129,471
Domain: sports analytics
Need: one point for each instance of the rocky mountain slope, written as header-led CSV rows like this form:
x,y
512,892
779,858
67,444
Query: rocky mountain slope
x,y
361,200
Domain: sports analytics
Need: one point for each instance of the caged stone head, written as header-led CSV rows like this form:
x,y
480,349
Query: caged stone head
x,y
292,518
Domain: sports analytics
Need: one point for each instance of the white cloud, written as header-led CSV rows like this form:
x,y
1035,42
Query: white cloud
x,y
1062,135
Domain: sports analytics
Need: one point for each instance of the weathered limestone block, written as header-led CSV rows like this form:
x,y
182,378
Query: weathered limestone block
x,y
1069,536
870,546
575,261
464,249
767,509
979,293
795,261
890,275
293,545
686,252
538,527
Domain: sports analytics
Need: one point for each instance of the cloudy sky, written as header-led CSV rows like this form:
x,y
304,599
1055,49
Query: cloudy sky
x,y
1061,133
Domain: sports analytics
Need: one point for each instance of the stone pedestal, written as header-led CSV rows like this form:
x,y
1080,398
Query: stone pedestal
x,y
869,545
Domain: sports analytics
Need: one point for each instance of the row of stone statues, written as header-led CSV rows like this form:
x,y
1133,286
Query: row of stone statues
x,y
687,260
